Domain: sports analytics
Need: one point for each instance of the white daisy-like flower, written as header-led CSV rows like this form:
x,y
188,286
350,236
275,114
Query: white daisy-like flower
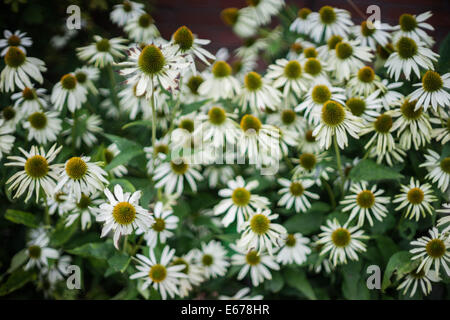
x,y
39,253
240,202
68,92
10,116
387,94
109,154
432,250
365,203
325,51
19,69
262,10
213,259
297,48
349,57
302,23
161,275
438,169
433,91
217,127
366,108
341,242
103,51
81,176
241,295
126,11
90,124
317,69
444,220
258,94
442,133
17,39
58,271
413,125
289,76
59,203
151,67
257,264
252,46
306,143
220,83
287,119
37,172
6,140
295,250
396,154
171,175
241,21
162,227
365,82
85,209
418,279
123,214
30,100
218,174
335,123
43,126
295,193
86,76
413,26
155,158
317,95
410,55
260,233
313,166
142,28
416,198
370,34
191,46
329,21
381,129
134,104
193,271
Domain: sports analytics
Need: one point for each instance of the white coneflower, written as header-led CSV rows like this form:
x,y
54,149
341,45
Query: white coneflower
x,y
387,95
416,198
260,233
366,108
433,91
6,140
81,176
59,270
220,83
438,169
329,21
68,92
126,11
134,104
123,214
90,125
162,227
370,34
193,271
162,151
43,126
59,203
313,166
39,253
171,175
240,21
241,295
10,116
18,70
413,26
307,143
432,250
287,119
17,39
295,249
218,174
85,208
37,172
444,220
213,259
191,46
410,55
317,95
365,202
103,51
257,264
302,23
217,127
30,100
413,125
317,69
142,28
184,136
365,81
396,154
289,76
341,242
325,51
336,122
296,49
161,275
258,94
442,133
418,279
240,202
381,129
86,77
295,193
252,46
109,154
262,10
349,57
151,67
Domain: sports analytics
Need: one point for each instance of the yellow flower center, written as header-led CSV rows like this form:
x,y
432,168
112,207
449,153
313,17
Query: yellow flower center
x,y
151,60
313,66
250,122
76,168
8,113
418,275
320,94
290,240
28,93
293,70
207,260
367,28
288,116
187,124
296,189
252,81
407,22
179,167
145,20
194,83
109,156
127,6
341,237
432,81
157,273
81,77
385,52
13,41
356,105
260,224
383,123
221,69
308,161
303,13
159,225
415,196
309,136
343,50
366,74
14,57
310,52
38,120
406,48
84,202
297,47
181,261
184,38
124,213
162,148
333,42
333,114
365,199
436,248
327,15
217,115
241,197
103,45
408,110
36,167
253,258
229,16
68,81
445,165
34,252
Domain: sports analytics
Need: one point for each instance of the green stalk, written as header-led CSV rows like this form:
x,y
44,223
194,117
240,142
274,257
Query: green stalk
x,y
112,80
339,163
152,102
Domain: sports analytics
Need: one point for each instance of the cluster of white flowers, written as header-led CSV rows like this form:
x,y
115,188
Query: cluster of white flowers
x,y
323,93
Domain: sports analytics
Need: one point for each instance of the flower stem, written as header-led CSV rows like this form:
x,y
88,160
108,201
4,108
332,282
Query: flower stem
x,y
152,102
330,192
339,163
125,243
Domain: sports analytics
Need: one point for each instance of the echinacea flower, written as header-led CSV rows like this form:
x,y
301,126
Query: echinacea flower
x,y
419,280
126,11
6,140
258,94
85,209
193,271
241,21
413,26
39,252
30,100
295,194
329,21
213,259
295,250
17,39
142,28
289,76
103,51
366,108
262,10
220,83
68,92
43,126
162,227
372,34
433,91
301,24
438,169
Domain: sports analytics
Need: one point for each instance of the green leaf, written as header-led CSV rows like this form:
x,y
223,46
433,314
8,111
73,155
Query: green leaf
x,y
188,108
369,170
99,250
16,280
119,262
145,123
18,260
400,264
62,234
354,287
21,217
125,184
386,246
297,278
276,284
308,222
444,52
124,156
